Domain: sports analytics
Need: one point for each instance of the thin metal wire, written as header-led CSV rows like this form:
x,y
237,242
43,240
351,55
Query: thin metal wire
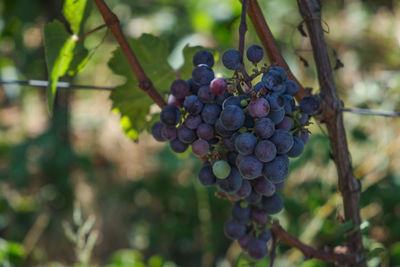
x,y
371,112
41,83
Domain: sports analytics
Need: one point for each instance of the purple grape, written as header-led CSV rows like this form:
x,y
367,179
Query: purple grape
x,y
244,241
264,128
263,186
221,130
309,104
186,135
276,101
259,108
250,167
172,100
193,121
241,212
205,131
205,94
265,151
291,88
273,80
254,198
232,59
289,104
206,175
169,133
156,131
257,249
232,183
178,146
180,89
259,216
303,119
203,57
258,87
170,115
277,115
277,170
193,104
234,230
245,190
265,235
273,204
194,87
202,74
245,143
255,53
218,86
200,147
283,141
221,98
286,124
297,148
232,118
210,113
304,137
231,101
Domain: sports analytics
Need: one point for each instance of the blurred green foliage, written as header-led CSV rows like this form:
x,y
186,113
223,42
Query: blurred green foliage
x,y
150,209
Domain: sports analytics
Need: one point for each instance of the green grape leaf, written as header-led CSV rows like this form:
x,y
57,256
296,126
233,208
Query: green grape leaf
x,y
74,11
59,47
132,103
81,57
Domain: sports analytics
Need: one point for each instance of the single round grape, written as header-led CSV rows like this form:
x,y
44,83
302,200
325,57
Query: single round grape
x,y
281,71
232,183
255,53
172,100
232,59
277,170
205,131
241,212
264,128
203,57
289,104
194,87
263,186
210,113
221,169
254,198
169,133
186,135
180,88
245,143
291,88
250,167
273,204
178,146
202,74
259,108
205,94
286,124
277,115
309,104
206,175
193,104
245,190
193,121
276,101
259,216
231,101
156,131
258,87
232,118
218,86
244,241
257,249
200,147
297,148
170,115
265,151
273,81
283,141
234,230
221,130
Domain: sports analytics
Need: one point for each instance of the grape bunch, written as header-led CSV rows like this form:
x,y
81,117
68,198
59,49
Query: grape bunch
x,y
244,134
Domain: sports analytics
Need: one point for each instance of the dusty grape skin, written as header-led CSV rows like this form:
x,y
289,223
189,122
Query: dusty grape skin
x,y
200,147
257,249
232,118
232,59
218,86
264,128
283,141
273,204
178,146
245,143
194,87
244,241
206,175
156,131
234,230
205,131
193,104
202,74
255,53
259,216
232,183
297,148
291,87
245,190
276,115
265,151
241,214
263,186
172,100
309,105
205,95
286,124
210,113
277,170
170,115
250,167
259,108
221,130
276,101
193,121
231,101
203,57
186,135
168,133
254,198
180,89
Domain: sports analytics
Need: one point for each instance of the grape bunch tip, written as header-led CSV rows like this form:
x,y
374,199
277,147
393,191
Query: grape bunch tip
x,y
245,136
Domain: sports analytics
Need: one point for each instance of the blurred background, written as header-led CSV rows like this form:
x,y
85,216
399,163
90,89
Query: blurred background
x,y
75,191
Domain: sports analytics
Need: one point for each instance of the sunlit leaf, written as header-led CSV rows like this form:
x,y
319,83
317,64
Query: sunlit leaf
x,y
73,11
